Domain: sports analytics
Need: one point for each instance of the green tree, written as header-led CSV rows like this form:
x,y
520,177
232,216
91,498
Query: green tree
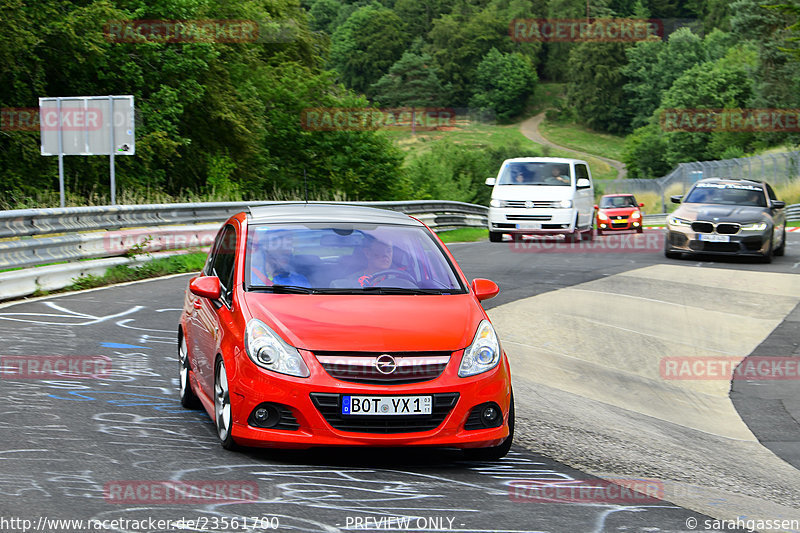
x,y
412,81
504,82
595,86
367,45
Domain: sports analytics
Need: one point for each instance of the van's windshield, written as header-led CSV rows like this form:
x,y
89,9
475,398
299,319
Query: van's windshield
x,y
532,173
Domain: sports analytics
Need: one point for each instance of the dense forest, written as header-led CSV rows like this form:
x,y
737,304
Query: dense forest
x,y
221,118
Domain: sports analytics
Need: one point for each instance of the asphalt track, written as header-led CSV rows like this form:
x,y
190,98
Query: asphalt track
x,y
67,443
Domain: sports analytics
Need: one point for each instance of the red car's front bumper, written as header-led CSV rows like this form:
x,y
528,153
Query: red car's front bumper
x,y
250,386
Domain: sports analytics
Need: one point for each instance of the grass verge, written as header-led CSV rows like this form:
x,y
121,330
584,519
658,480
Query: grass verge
x,y
464,235
164,266
583,139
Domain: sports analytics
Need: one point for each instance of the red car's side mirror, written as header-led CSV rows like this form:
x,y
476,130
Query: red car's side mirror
x,y
641,205
595,206
484,288
206,287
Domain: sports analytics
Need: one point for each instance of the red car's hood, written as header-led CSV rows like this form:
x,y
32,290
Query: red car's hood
x,y
372,323
614,211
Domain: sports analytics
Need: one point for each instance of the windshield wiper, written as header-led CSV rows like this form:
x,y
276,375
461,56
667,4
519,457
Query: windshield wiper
x,y
284,289
403,290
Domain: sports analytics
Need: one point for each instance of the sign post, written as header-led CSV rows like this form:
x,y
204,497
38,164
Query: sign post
x,y
87,125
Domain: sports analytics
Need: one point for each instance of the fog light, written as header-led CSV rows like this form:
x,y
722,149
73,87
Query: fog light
x,y
489,415
265,416
636,224
602,225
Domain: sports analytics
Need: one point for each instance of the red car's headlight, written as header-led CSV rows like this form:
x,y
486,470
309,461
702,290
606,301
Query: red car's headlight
x,y
266,349
483,354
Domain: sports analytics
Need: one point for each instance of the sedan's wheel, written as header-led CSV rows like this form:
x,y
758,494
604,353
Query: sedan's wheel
x,y
494,453
188,397
767,257
495,236
780,250
222,406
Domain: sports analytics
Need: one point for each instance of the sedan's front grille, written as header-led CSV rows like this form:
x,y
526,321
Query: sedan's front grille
x,y
330,407
360,367
703,227
728,229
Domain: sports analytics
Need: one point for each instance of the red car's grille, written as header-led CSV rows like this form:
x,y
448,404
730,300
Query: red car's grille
x,y
394,369
330,406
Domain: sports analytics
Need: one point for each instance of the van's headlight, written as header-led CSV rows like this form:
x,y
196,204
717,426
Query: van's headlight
x,y
563,204
754,226
266,349
675,221
494,202
483,354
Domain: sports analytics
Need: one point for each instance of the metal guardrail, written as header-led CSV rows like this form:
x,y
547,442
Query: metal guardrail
x,y
97,232
30,222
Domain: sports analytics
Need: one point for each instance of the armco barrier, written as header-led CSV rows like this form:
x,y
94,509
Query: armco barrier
x,y
93,232
30,222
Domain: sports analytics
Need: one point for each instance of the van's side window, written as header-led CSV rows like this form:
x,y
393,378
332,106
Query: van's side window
x,y
581,172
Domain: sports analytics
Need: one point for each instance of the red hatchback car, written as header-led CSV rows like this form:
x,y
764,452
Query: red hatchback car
x,y
329,325
619,212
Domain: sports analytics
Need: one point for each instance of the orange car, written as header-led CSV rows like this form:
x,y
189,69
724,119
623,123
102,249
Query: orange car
x,y
618,212
331,325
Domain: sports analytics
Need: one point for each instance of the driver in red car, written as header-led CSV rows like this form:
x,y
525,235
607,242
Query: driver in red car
x,y
379,258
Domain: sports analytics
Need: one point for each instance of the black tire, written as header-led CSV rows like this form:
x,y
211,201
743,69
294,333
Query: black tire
x,y
223,418
640,230
599,231
781,250
767,257
588,235
495,236
572,237
493,453
188,398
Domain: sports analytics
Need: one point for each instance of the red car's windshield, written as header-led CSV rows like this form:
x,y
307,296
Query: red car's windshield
x,y
611,202
347,258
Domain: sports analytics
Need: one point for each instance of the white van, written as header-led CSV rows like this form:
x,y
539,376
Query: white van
x,y
542,196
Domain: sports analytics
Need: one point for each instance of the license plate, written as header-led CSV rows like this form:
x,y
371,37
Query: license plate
x,y
387,405
529,225
620,221
715,238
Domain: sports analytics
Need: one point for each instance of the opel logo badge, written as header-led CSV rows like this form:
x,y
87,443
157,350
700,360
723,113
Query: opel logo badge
x,y
385,364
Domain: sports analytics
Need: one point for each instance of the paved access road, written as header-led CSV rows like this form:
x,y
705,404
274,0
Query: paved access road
x,y
67,445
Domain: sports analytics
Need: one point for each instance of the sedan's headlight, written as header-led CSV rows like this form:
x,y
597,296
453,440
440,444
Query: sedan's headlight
x,y
563,204
483,354
266,349
754,226
494,202
675,221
